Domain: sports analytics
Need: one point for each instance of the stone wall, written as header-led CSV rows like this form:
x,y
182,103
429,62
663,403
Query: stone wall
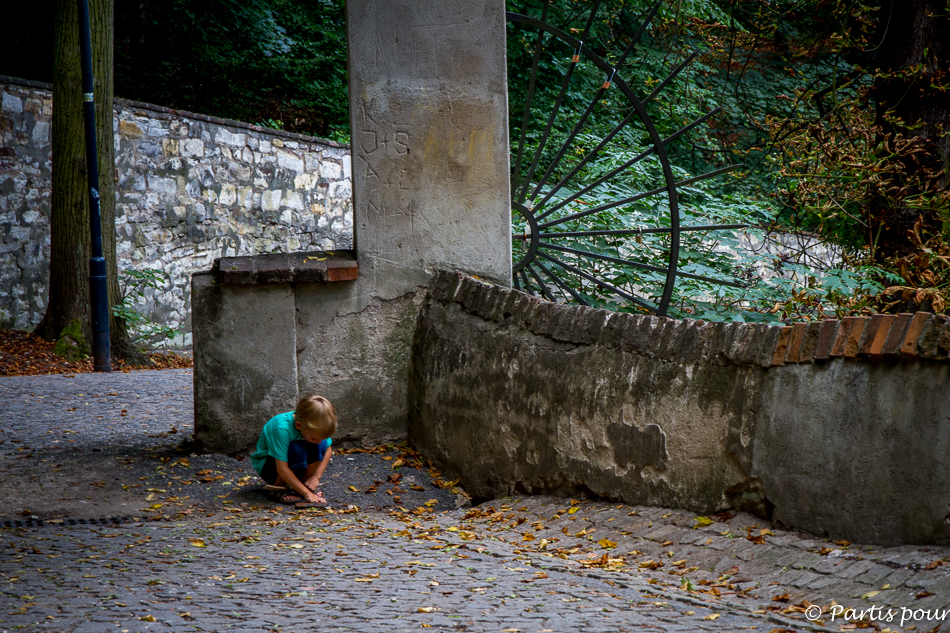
x,y
840,428
190,188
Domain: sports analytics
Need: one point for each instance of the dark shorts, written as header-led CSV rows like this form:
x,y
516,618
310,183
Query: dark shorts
x,y
300,454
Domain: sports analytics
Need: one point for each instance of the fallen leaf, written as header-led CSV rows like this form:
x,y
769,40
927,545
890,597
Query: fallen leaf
x,y
606,543
702,522
426,609
651,564
148,618
711,616
198,542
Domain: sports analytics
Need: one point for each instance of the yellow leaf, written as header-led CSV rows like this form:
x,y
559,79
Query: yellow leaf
x,y
426,609
198,542
528,536
148,618
453,529
702,522
425,626
711,616
573,510
606,543
870,594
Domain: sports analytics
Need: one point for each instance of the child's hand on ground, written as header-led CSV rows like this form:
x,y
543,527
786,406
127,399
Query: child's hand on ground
x,y
316,497
312,484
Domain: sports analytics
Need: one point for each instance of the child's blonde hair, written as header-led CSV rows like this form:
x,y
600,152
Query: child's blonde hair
x,y
317,414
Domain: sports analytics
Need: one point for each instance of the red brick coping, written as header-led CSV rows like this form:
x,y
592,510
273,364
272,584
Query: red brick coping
x,y
877,337
286,268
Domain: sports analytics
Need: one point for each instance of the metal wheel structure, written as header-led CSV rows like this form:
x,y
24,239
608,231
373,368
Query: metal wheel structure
x,y
571,190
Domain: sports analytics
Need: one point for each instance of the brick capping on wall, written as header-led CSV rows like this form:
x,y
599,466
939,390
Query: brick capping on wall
x,y
121,104
880,337
286,268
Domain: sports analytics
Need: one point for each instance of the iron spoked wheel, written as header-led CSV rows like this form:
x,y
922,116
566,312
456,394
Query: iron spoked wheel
x,y
596,218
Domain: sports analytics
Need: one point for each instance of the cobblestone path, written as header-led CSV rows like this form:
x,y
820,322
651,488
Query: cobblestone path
x,y
214,555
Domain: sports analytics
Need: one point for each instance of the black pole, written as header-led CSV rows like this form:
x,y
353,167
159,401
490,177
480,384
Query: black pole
x,y
98,290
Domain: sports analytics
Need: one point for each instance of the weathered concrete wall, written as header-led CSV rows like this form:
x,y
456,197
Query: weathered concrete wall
x,y
190,189
428,110
514,394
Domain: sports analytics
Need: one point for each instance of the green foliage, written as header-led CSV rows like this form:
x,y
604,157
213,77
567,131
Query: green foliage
x,y
256,60
135,284
762,86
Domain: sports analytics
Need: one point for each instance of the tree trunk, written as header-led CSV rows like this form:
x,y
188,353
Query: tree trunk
x,y
69,205
912,103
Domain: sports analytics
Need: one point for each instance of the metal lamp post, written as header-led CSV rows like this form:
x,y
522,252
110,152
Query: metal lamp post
x,y
99,295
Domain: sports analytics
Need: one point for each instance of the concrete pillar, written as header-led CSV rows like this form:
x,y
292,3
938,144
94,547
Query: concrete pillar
x,y
428,107
428,110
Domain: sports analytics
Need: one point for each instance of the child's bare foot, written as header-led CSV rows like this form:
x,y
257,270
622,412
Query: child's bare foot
x,y
287,497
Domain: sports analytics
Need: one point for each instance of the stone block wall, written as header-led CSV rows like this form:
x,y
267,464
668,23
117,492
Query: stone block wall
x,y
190,189
840,428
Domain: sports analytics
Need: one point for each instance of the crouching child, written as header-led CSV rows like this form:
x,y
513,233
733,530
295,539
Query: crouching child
x,y
293,451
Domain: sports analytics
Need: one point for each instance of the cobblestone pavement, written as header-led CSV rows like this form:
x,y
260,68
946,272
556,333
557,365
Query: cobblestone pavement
x,y
182,542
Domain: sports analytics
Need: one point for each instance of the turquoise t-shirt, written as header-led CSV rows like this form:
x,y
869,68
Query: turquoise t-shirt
x,y
275,440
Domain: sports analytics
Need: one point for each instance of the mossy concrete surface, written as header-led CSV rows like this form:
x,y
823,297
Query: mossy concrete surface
x,y
71,343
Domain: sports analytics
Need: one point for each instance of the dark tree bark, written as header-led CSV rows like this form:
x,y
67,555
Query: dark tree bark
x,y
912,96
70,246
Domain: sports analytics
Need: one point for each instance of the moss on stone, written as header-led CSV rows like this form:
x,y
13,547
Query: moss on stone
x,y
71,344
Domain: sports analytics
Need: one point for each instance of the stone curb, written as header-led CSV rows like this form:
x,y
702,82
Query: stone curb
x,y
877,338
